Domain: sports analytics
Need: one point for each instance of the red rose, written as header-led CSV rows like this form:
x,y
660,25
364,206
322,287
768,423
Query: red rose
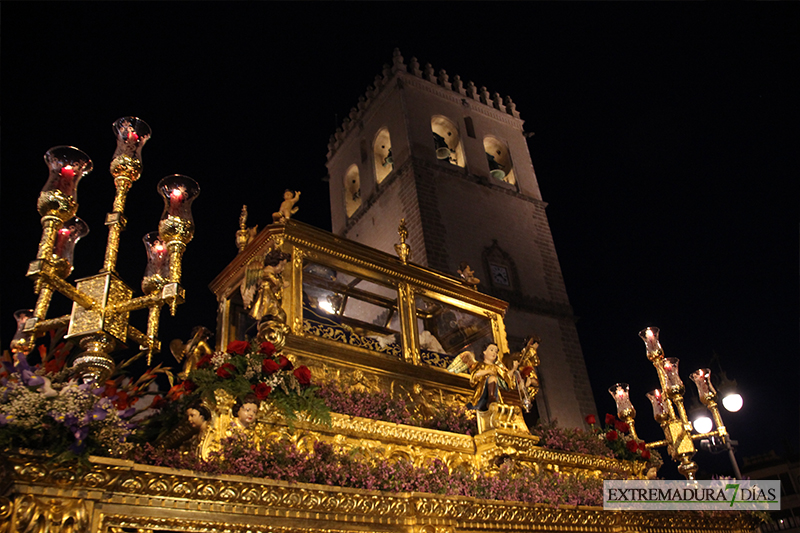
x,y
632,446
646,454
284,363
642,445
621,426
269,366
303,375
238,347
267,348
610,419
611,436
189,386
202,363
225,370
591,420
261,390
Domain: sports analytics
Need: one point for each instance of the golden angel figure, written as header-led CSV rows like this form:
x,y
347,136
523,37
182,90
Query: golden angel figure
x,y
262,289
488,376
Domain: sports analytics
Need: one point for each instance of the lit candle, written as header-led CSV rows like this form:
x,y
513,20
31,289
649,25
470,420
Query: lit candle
x,y
61,241
176,197
650,341
67,172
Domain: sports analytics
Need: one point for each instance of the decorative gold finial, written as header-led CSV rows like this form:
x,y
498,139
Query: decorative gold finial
x,y
245,234
403,250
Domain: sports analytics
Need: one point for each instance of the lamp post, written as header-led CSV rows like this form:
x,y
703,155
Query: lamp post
x,y
102,303
669,410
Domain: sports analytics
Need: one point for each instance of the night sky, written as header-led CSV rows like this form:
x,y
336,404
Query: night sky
x,y
665,145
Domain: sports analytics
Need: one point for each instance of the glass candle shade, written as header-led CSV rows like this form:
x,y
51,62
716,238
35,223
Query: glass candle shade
x,y
177,223
702,379
59,195
660,408
156,273
64,250
650,338
20,342
619,391
673,383
131,134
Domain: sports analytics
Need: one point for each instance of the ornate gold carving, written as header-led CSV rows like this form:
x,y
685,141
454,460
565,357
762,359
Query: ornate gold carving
x,y
41,514
120,496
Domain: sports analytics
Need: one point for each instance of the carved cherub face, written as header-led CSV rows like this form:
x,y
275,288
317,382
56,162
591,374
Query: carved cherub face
x,y
288,195
247,414
195,419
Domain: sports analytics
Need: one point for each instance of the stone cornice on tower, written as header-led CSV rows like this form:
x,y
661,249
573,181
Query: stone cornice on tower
x,y
486,103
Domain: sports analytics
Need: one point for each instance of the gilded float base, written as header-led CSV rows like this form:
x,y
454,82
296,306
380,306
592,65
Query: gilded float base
x,y
115,496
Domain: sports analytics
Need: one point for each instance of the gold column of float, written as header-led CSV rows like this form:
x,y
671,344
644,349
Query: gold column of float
x,y
294,309
408,320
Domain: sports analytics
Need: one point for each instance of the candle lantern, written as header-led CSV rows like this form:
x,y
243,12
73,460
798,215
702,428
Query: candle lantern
x,y
650,338
619,392
673,386
660,407
131,133
156,273
176,228
59,196
64,251
625,410
702,379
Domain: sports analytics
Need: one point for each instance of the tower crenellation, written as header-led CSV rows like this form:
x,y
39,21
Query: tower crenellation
x,y
442,79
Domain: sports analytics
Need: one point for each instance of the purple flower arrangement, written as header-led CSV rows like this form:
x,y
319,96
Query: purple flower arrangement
x,y
282,460
67,419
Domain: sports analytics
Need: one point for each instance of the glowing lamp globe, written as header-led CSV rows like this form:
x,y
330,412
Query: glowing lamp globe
x,y
733,402
702,424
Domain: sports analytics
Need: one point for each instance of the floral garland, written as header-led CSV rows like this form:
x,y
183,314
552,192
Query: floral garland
x,y
282,460
611,441
246,368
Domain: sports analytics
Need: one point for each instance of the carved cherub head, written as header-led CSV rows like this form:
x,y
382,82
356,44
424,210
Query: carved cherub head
x,y
246,410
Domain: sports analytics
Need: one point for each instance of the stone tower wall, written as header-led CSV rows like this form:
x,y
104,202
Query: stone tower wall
x,y
458,213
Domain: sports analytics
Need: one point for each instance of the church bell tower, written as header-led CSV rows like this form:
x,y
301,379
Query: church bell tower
x,y
452,160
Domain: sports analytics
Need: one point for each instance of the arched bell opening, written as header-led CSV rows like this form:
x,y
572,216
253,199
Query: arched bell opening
x,y
382,155
447,141
352,190
501,167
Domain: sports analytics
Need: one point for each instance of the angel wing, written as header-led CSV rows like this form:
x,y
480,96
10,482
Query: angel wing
x,y
176,347
462,363
252,280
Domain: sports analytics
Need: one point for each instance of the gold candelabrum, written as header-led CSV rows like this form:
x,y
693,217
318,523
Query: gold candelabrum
x,y
668,408
102,303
